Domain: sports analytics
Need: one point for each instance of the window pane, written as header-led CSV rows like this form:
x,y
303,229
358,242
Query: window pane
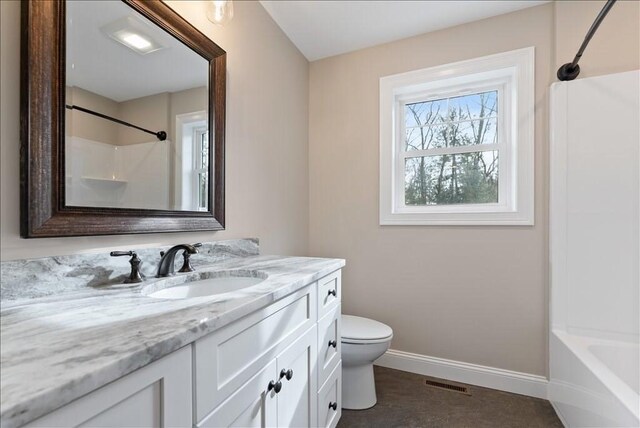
x,y
204,143
473,106
481,131
203,189
425,113
465,178
428,137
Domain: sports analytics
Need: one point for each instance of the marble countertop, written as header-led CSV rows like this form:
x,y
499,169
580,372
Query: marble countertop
x,y
60,347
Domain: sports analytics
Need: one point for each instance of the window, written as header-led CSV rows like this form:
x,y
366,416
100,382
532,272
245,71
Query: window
x,y
456,143
201,167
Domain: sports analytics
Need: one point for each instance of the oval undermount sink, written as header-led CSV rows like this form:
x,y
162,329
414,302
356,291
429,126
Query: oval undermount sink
x,y
201,286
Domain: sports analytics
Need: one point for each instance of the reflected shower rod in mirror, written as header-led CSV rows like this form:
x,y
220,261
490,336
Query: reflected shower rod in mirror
x,y
160,135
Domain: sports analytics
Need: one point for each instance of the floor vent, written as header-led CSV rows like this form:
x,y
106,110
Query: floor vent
x,y
448,386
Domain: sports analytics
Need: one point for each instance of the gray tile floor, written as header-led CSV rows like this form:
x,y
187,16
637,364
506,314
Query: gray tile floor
x,y
405,401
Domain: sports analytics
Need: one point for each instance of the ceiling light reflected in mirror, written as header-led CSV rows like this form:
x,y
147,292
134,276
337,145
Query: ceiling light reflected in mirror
x,y
130,32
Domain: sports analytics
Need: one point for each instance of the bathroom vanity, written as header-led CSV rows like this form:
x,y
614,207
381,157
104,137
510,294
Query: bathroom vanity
x,y
265,355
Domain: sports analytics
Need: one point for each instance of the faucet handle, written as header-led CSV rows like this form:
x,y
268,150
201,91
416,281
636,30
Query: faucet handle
x,y
121,253
134,276
186,265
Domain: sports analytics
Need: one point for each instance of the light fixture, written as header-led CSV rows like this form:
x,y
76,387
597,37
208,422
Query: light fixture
x,y
133,34
220,12
136,41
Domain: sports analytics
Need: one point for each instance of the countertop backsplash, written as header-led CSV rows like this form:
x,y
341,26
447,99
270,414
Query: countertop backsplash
x,y
30,278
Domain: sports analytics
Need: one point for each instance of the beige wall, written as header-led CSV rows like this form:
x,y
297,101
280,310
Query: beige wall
x,y
83,125
187,101
452,292
614,48
266,164
474,294
151,112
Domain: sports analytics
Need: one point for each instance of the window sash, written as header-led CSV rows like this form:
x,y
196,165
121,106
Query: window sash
x,y
506,170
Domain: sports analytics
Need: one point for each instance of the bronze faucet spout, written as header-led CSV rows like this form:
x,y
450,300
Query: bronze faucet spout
x,y
165,267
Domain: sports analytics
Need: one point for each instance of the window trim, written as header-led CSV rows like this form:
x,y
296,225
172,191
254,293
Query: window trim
x,y
513,72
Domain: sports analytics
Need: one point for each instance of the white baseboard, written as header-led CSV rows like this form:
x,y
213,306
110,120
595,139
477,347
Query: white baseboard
x,y
559,413
473,374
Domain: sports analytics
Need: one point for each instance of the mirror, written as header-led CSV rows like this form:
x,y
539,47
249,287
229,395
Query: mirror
x,y
137,116
134,136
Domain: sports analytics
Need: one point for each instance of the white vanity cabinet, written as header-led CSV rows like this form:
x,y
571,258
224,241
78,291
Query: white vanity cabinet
x,y
282,394
279,366
235,366
157,395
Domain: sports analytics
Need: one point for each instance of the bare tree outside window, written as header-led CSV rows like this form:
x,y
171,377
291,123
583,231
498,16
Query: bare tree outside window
x,y
468,177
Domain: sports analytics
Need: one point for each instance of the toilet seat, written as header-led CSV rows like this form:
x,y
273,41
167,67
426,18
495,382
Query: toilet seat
x,y
362,331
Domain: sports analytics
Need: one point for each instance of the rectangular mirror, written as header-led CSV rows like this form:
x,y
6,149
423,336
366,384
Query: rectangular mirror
x,y
123,120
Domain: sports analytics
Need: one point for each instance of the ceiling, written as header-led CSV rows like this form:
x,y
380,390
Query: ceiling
x,y
325,28
101,65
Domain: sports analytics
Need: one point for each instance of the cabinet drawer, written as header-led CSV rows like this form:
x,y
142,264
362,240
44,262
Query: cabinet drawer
x,y
328,335
330,395
227,358
329,293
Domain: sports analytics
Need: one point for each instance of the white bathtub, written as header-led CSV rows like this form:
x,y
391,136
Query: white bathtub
x,y
594,382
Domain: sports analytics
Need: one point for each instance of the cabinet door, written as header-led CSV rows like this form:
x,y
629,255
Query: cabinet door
x,y
158,394
252,405
297,406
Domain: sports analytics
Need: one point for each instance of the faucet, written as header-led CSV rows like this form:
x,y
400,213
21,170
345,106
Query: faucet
x,y
166,268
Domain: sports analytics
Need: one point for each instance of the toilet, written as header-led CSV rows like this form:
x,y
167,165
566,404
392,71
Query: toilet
x,y
363,341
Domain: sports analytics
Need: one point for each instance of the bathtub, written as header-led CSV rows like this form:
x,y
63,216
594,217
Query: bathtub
x,y
594,382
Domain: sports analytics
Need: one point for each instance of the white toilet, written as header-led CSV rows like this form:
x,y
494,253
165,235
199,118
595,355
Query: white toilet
x,y
363,341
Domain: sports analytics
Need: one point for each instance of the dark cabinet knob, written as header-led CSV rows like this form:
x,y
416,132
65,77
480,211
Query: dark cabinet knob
x,y
333,406
276,386
288,374
333,292
333,343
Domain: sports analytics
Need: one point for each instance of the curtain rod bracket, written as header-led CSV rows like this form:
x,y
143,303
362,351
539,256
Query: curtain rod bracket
x,y
571,70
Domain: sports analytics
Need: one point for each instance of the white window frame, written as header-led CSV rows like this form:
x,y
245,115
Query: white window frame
x,y
512,75
198,133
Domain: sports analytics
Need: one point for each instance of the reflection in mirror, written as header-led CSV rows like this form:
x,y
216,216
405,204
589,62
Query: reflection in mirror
x,y
137,132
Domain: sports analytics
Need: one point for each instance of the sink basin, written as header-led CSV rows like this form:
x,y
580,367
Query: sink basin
x,y
209,285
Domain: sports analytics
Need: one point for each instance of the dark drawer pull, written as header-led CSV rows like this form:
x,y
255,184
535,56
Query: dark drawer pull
x,y
333,292
333,343
286,374
333,406
276,386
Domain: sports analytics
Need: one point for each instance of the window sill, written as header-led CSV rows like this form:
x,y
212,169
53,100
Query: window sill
x,y
457,219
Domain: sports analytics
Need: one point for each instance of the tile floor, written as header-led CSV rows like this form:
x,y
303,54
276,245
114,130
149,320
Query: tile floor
x,y
405,401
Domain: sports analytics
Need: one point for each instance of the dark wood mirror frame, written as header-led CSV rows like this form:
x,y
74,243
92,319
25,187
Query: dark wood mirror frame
x,y
42,192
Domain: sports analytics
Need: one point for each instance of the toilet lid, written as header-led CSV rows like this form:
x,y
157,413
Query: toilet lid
x,y
358,329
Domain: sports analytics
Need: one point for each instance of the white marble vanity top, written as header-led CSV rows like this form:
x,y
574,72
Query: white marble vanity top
x,y
60,347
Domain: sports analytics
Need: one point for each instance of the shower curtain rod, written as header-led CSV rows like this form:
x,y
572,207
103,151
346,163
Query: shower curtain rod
x,y
161,135
571,70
